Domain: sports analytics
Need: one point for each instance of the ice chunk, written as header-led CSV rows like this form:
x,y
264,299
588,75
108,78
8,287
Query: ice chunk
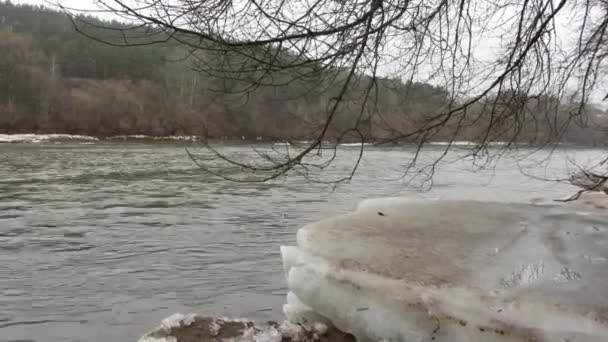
x,y
297,312
455,271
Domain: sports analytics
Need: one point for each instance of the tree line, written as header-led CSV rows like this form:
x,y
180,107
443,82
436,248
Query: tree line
x,y
56,80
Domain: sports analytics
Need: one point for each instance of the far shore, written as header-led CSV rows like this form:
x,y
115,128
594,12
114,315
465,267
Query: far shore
x,y
37,138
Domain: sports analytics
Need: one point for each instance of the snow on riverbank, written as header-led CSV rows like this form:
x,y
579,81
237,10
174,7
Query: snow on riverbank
x,y
38,138
455,271
41,138
149,137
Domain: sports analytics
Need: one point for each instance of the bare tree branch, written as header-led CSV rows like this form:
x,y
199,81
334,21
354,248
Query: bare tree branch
x,y
508,72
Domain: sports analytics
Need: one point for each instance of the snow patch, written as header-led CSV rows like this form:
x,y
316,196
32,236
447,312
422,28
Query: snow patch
x,y
472,143
453,143
320,328
150,137
38,138
291,330
177,320
215,327
354,144
235,320
270,334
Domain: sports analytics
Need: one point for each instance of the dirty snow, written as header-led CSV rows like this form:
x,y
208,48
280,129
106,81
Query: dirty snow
x,y
247,331
215,327
270,334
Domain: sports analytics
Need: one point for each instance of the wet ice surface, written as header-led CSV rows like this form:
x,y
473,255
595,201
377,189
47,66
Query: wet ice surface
x,y
456,271
104,241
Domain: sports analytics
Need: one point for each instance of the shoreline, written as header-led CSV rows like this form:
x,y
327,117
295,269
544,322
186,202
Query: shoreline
x,y
36,138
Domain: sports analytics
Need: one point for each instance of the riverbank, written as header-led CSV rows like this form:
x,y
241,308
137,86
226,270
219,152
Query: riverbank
x,y
35,138
58,137
195,328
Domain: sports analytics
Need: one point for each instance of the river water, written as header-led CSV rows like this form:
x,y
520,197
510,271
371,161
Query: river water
x,y
100,242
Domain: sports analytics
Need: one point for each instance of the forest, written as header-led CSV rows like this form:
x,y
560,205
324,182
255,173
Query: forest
x,y
55,80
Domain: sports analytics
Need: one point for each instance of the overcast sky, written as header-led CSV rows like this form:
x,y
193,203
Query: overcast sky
x,y
76,4
88,4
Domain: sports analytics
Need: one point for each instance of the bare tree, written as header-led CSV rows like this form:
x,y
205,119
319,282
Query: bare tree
x,y
508,67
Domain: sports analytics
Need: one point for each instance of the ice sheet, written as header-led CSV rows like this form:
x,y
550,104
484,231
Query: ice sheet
x,y
456,271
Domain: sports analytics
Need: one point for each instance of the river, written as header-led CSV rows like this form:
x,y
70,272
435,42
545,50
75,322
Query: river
x,y
99,242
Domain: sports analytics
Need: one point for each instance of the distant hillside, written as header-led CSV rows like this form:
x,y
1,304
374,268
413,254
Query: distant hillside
x,y
55,80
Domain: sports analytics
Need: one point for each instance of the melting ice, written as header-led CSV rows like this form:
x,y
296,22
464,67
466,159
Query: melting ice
x,y
402,270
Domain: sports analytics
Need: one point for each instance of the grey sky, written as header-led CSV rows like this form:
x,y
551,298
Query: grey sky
x,y
76,4
85,4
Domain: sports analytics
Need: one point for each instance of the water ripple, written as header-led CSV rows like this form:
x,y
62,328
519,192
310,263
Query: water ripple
x,y
112,238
